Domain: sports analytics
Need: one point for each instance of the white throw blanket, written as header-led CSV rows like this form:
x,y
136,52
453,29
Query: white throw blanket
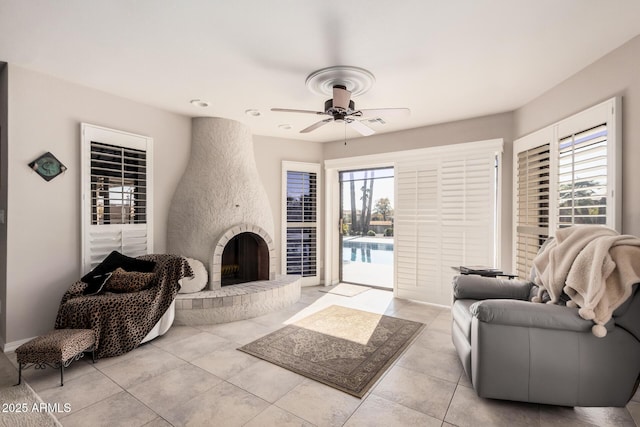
x,y
594,265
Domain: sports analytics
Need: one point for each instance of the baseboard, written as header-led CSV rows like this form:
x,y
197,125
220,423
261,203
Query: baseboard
x,y
11,346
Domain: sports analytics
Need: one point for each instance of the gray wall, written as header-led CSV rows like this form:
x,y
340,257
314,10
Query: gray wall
x,y
43,218
617,73
269,153
4,85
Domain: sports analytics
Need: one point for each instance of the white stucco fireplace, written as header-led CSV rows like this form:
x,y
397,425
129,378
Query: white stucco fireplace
x,y
221,216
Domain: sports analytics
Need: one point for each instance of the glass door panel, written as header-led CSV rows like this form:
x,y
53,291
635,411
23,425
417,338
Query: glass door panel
x,y
366,220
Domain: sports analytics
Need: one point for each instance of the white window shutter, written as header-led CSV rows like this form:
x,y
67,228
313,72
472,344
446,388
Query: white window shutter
x,y
445,217
117,196
300,205
532,177
566,174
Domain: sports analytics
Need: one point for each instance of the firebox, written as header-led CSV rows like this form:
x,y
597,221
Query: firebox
x,y
245,259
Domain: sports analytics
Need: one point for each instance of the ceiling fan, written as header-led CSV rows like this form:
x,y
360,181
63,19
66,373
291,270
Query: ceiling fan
x,y
342,109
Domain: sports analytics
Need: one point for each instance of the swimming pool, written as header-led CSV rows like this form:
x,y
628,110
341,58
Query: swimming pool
x,y
367,251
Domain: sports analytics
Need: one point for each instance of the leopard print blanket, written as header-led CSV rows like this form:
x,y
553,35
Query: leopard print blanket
x,y
122,320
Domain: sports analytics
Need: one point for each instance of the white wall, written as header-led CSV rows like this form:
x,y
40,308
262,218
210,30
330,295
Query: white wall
x,y
617,73
269,154
43,218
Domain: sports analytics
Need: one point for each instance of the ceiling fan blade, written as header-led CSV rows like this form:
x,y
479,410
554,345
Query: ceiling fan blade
x,y
361,127
341,97
385,112
289,110
316,125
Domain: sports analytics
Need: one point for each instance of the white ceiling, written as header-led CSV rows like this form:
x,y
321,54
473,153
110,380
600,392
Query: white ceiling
x,y
445,60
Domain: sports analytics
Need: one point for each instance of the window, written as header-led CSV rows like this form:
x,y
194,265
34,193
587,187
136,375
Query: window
x,y
116,194
300,196
566,174
118,185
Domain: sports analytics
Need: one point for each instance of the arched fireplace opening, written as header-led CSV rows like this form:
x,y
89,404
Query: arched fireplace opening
x,y
245,259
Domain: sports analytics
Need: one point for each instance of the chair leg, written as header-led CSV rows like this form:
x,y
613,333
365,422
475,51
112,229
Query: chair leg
x,y
19,373
61,374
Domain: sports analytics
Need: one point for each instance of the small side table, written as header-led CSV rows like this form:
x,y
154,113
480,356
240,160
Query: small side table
x,y
485,273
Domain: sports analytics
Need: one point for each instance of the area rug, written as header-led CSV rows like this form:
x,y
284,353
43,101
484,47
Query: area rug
x,y
21,406
342,347
346,290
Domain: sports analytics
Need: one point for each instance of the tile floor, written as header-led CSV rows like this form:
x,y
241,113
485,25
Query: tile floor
x,y
194,376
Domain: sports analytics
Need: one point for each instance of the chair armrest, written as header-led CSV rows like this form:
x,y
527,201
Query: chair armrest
x,y
532,315
478,287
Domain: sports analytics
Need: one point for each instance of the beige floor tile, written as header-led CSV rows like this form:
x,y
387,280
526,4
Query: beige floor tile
x,y
173,387
436,363
467,409
636,397
194,346
158,422
435,340
319,404
603,417
241,332
81,392
223,405
442,323
42,379
634,410
225,362
377,411
281,317
144,366
175,333
464,380
276,417
424,313
266,380
121,409
136,353
417,391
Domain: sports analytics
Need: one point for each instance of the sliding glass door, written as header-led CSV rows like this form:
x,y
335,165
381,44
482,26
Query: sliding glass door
x,y
366,224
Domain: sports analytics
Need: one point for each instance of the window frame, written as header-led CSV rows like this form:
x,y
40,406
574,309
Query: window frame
x,y
609,113
125,235
292,166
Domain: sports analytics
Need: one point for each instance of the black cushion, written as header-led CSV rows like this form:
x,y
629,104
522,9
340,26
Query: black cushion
x,y
96,277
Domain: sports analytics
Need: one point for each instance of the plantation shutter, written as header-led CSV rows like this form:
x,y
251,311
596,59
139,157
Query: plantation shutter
x,y
566,174
300,228
445,217
582,177
116,194
532,205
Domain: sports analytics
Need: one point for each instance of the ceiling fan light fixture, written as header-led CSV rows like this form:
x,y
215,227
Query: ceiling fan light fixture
x,y
252,112
355,79
200,103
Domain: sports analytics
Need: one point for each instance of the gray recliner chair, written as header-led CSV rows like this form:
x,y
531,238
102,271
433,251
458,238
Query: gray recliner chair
x,y
514,349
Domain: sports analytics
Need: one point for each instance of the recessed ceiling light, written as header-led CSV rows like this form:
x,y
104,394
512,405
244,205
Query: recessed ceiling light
x,y
200,103
252,112
285,126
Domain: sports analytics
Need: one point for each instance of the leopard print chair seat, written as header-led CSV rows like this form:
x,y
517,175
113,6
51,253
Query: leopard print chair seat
x,y
56,349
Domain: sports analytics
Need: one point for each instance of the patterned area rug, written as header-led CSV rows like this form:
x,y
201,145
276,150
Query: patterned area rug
x,y
21,406
346,290
344,348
